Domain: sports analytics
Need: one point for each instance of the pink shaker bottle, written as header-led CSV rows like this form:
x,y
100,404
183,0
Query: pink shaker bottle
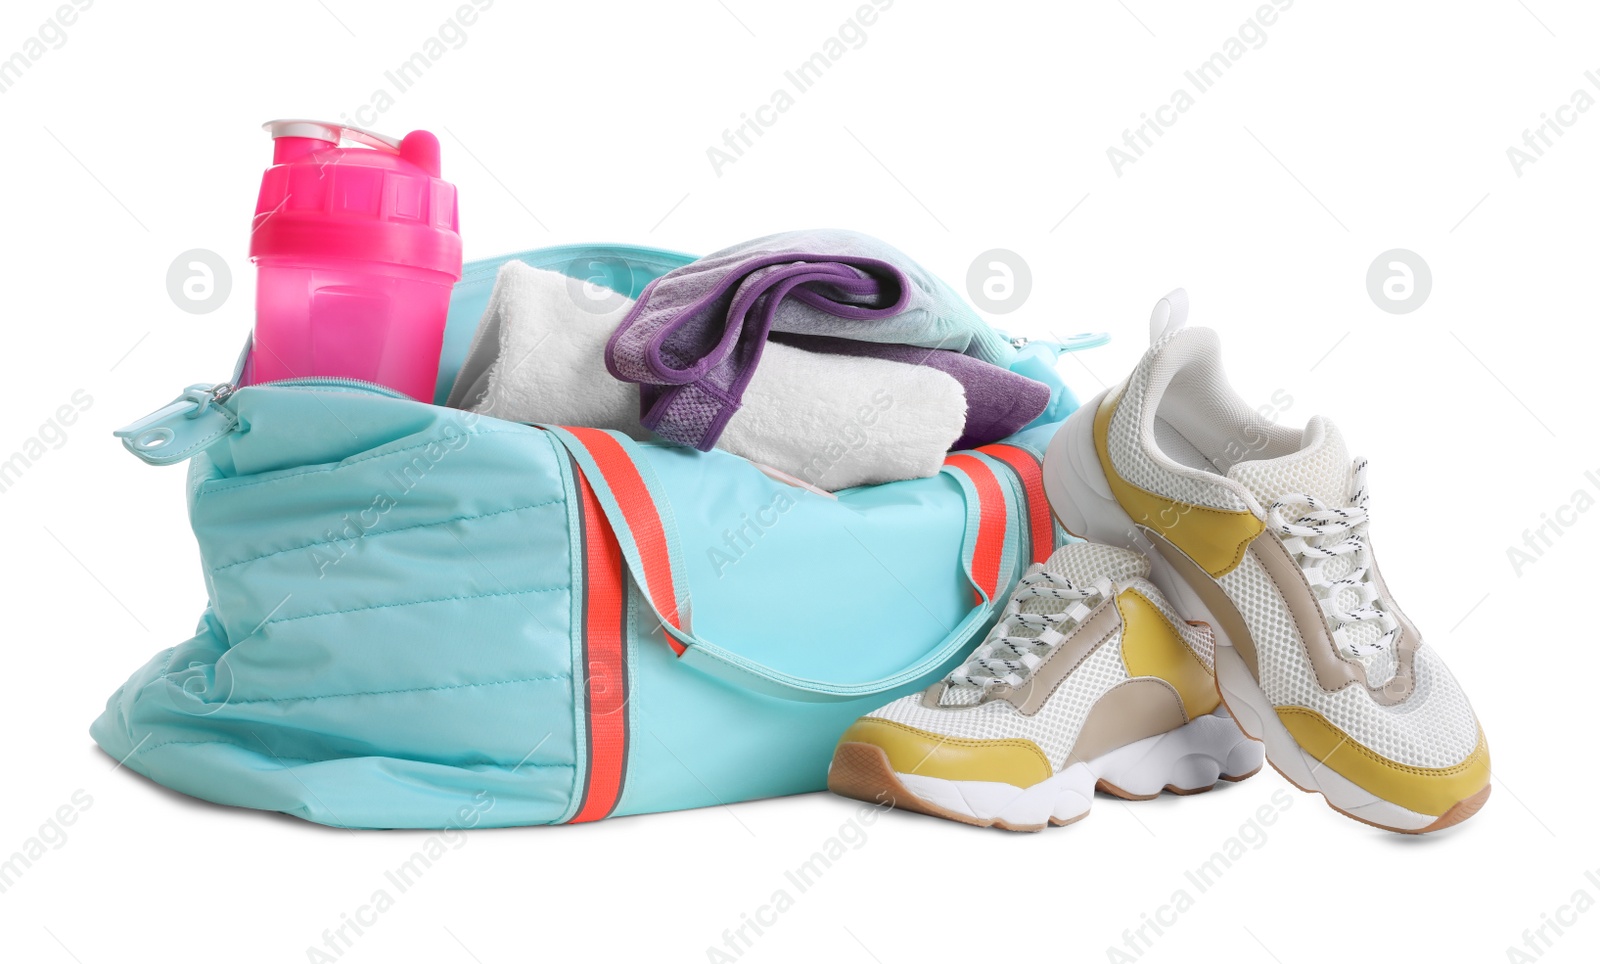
x,y
357,250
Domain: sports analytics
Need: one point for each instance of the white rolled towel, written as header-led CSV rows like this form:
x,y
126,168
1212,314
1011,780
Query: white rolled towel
x,y
832,421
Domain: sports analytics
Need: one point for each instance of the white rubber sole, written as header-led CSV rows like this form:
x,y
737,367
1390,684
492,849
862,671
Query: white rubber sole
x,y
1189,759
1255,714
1081,498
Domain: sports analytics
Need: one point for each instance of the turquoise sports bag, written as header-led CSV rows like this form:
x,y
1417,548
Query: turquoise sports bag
x,y
424,617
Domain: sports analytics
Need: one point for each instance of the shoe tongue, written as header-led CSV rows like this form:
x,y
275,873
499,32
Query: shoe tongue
x,y
1320,468
1084,562
1080,563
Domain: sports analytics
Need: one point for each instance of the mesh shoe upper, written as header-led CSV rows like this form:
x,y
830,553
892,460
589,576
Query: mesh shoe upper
x,y
1180,432
972,712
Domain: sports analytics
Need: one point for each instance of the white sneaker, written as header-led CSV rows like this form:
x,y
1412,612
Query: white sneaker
x,y
1262,531
1088,681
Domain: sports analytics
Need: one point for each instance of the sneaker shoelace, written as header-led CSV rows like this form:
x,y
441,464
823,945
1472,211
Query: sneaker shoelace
x,y
1011,652
1330,544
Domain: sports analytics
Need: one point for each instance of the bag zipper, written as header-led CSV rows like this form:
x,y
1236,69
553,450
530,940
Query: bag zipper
x,y
310,381
317,381
199,417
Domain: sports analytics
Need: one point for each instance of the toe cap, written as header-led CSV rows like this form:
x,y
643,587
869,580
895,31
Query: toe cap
x,y
911,750
1426,790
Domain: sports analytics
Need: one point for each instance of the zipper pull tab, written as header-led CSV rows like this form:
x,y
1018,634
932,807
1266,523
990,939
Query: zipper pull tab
x,y
183,427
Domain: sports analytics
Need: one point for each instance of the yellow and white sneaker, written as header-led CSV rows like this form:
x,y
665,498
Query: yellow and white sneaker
x,y
1088,681
1262,531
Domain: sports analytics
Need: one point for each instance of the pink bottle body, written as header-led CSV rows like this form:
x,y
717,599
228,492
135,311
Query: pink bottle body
x,y
357,251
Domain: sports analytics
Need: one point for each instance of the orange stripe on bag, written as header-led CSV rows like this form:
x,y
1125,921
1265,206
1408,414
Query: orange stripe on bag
x,y
605,610
1026,465
644,521
991,541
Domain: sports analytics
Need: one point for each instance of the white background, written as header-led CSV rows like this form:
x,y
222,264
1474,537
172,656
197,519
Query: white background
x,y
956,128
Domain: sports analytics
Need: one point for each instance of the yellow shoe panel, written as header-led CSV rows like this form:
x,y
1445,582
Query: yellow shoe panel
x,y
1018,762
1422,789
1216,539
1151,646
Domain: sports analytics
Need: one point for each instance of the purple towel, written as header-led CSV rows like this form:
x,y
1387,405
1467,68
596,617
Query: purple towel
x,y
696,334
999,401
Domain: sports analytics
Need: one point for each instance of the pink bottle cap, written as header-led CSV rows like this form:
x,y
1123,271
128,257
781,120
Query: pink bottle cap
x,y
381,202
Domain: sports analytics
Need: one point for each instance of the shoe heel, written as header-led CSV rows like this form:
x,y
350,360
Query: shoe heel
x,y
1190,759
1076,487
1080,499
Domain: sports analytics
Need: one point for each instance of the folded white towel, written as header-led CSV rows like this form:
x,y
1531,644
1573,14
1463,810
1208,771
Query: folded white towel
x,y
833,421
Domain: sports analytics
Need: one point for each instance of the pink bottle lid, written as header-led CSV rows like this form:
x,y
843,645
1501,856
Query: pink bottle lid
x,y
386,203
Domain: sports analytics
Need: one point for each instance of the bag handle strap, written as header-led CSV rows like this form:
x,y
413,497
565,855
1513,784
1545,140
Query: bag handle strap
x,y
642,520
629,497
1028,468
991,540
